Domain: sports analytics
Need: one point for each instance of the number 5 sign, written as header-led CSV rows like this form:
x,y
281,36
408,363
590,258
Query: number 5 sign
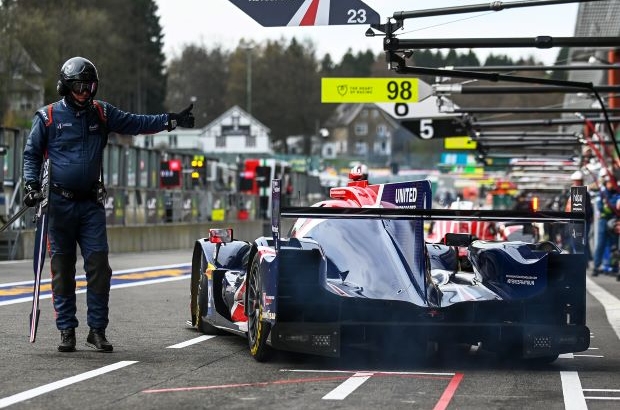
x,y
427,128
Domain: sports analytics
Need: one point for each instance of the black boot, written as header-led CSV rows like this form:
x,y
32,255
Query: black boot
x,y
67,341
96,340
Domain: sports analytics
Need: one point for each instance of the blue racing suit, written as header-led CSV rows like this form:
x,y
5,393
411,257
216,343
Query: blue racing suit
x,y
605,238
74,141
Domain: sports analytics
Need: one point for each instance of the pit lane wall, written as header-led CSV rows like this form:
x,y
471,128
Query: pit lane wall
x,y
147,238
143,220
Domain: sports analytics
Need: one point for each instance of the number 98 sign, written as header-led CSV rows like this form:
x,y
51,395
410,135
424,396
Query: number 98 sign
x,y
399,91
369,90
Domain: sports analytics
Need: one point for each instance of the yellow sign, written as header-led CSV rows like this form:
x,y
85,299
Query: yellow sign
x,y
218,214
459,143
369,90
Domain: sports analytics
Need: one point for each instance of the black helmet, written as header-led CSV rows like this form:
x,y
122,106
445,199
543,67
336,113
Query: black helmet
x,y
78,72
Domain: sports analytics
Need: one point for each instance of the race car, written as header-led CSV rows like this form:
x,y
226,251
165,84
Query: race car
x,y
354,271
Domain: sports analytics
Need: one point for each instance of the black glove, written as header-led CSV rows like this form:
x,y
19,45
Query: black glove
x,y
183,119
32,194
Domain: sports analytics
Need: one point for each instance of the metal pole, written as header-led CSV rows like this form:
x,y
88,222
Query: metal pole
x,y
248,81
559,145
562,67
528,140
516,89
527,110
532,134
492,6
542,42
541,122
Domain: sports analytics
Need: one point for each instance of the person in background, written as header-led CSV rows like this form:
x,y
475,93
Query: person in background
x,y
606,205
555,231
72,134
522,203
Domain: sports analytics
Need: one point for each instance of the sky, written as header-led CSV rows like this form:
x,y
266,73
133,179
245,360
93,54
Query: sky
x,y
213,23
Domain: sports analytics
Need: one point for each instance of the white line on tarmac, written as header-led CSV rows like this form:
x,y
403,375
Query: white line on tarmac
x,y
371,371
348,386
609,302
356,380
190,342
573,394
11,262
116,272
588,355
29,394
118,286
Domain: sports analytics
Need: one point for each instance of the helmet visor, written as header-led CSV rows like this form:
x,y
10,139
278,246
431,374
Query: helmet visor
x,y
80,87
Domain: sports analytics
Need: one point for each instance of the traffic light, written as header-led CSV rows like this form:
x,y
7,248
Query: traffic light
x,y
199,174
170,174
534,204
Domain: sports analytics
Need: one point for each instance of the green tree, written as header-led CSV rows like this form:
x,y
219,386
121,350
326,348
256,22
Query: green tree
x,y
327,66
123,39
7,52
561,59
286,89
493,59
199,75
355,65
132,70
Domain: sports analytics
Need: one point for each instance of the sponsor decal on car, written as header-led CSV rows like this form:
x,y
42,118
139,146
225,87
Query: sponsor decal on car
x,y
521,280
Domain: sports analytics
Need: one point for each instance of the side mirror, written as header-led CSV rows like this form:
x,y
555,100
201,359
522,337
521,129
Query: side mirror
x,y
220,235
458,239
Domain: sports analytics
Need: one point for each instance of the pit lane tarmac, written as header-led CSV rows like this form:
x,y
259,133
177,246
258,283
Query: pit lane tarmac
x,y
156,354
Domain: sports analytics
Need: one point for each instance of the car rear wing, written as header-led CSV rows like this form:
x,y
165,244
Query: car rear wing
x,y
276,195
575,219
432,214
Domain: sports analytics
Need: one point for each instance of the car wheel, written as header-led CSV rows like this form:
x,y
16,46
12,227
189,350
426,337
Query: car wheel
x,y
258,330
202,300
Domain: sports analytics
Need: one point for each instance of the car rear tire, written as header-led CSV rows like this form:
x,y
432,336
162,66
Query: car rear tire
x,y
202,299
258,330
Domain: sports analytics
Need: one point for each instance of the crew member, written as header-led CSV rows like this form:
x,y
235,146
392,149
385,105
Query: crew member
x,y
72,133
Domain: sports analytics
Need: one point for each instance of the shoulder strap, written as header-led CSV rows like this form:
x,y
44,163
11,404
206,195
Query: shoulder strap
x,y
46,114
102,113
101,110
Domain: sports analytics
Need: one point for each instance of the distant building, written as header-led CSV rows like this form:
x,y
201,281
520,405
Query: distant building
x,y
595,19
367,133
25,89
363,131
234,132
